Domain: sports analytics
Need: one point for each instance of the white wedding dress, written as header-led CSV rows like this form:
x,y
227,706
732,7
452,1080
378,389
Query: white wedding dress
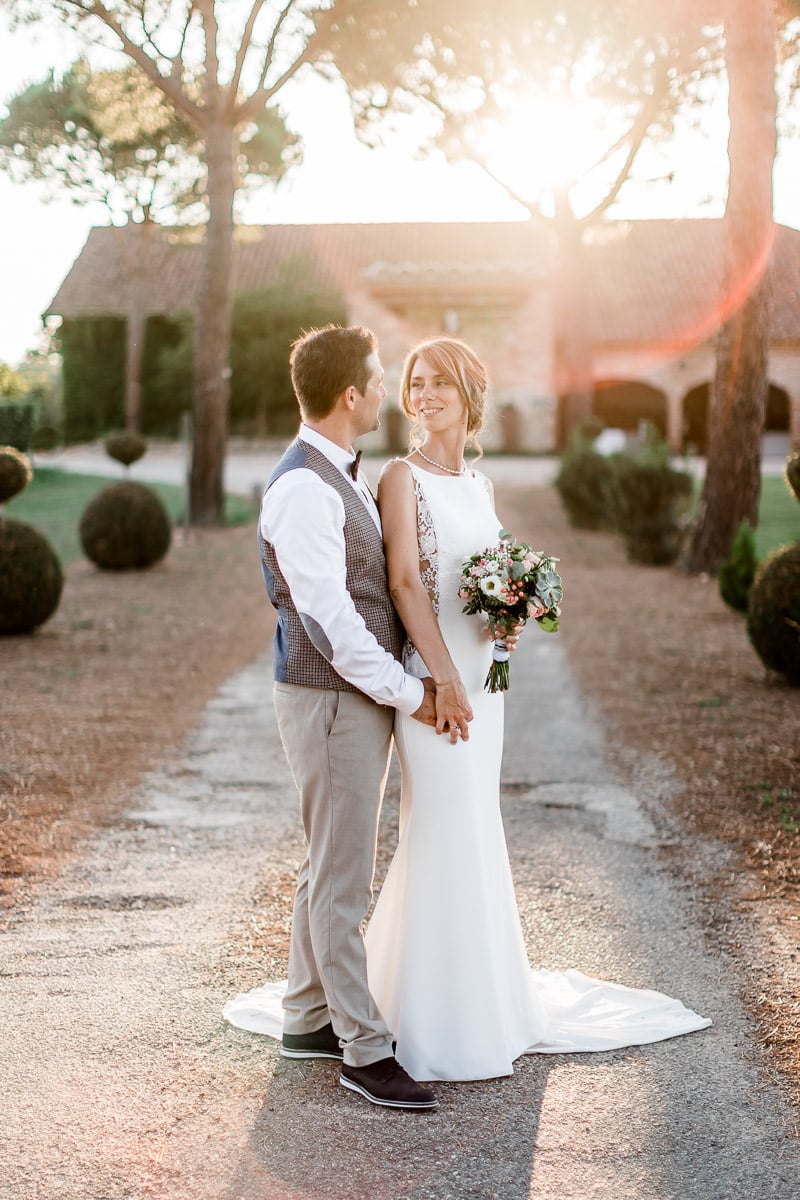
x,y
446,956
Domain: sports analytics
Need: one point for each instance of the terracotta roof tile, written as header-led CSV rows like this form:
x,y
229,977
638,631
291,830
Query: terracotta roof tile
x,y
657,281
100,279
649,281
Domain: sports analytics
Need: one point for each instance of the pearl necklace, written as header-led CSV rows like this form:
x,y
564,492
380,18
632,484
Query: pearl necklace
x,y
441,466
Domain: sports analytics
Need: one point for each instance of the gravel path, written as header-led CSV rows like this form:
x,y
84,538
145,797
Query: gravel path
x,y
121,1082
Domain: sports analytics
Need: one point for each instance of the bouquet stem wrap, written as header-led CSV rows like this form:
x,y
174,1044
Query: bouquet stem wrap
x,y
497,679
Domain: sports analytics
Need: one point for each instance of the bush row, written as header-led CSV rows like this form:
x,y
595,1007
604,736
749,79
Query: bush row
x,y
637,494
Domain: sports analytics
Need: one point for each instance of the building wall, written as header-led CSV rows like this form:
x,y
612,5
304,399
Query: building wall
x,y
515,341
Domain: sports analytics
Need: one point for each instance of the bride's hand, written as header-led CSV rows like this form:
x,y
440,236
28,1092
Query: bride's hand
x,y
510,638
453,710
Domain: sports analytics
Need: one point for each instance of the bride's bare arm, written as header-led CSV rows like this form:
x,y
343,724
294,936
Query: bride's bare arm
x,y
398,508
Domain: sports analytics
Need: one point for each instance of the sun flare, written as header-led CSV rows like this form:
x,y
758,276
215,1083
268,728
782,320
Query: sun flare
x,y
547,142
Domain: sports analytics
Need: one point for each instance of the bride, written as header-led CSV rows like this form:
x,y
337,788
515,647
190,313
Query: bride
x,y
446,956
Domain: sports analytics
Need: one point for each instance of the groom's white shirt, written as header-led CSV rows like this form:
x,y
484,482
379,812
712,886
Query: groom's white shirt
x,y
304,518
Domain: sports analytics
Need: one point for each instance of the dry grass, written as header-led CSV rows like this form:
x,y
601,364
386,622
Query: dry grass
x,y
117,675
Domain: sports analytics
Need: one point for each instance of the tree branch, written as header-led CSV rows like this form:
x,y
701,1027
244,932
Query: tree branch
x,y
244,46
637,133
210,31
177,59
250,109
170,85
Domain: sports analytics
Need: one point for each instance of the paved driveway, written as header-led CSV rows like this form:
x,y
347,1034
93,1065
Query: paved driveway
x,y
121,1082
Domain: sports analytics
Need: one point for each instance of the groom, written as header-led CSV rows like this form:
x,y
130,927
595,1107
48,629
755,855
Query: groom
x,y
337,683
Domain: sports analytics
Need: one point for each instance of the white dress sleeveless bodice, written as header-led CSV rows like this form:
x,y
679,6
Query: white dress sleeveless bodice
x,y
446,955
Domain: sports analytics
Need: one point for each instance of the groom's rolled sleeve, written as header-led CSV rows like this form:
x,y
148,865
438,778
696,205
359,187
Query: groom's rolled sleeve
x,y
304,519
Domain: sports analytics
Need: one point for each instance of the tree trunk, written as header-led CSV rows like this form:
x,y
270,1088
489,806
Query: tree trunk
x,y
733,472
136,323
212,327
573,333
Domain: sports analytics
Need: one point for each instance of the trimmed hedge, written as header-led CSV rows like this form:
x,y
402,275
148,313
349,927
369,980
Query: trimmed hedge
x,y
773,614
93,355
125,527
31,579
264,325
17,419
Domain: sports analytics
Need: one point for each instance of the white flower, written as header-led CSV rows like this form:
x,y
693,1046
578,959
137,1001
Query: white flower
x,y
491,585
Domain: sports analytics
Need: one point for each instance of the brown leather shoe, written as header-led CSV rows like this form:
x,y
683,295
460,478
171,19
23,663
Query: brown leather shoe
x,y
385,1082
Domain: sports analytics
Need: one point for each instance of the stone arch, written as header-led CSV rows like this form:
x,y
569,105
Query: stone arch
x,y
778,410
695,414
695,418
625,403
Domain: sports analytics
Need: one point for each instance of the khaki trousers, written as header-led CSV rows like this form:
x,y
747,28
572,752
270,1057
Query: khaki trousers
x,y
338,746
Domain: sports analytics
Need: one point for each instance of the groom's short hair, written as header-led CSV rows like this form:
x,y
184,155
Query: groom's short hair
x,y
325,362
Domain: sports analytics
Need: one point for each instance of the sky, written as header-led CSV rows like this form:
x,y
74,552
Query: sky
x,y
342,180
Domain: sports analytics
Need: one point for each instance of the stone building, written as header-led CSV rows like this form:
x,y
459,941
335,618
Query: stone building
x,y
655,292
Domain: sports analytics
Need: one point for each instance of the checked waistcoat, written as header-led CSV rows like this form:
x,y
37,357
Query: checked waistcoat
x,y
301,652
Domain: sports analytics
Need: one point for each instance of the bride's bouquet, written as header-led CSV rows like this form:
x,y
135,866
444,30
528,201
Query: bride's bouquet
x,y
511,583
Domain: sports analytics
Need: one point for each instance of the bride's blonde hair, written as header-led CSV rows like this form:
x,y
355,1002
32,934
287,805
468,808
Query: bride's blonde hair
x,y
459,364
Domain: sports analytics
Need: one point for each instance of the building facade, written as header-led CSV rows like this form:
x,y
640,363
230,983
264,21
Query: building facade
x,y
655,293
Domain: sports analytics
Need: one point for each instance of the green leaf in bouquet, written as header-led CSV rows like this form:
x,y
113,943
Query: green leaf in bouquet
x,y
548,624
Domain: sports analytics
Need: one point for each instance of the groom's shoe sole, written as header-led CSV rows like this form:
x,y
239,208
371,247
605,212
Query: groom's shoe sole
x,y
322,1043
416,1106
285,1053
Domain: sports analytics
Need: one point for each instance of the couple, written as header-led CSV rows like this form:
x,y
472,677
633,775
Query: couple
x,y
371,644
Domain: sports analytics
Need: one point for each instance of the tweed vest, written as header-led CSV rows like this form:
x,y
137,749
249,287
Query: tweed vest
x,y
301,650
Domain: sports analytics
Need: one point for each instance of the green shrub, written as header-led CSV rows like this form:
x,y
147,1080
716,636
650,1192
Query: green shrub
x,y
125,527
586,485
651,501
264,325
31,578
125,447
93,372
46,437
791,472
736,574
773,614
15,472
167,384
17,418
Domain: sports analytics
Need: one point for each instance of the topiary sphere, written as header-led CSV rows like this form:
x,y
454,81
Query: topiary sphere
x,y
125,526
792,472
126,448
15,472
773,616
31,578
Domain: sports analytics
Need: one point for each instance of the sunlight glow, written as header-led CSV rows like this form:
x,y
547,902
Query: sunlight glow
x,y
548,142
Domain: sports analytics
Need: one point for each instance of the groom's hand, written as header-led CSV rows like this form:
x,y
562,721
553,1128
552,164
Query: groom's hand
x,y
426,713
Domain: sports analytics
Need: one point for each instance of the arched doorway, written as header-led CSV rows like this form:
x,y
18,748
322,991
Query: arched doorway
x,y
695,415
625,403
776,419
695,419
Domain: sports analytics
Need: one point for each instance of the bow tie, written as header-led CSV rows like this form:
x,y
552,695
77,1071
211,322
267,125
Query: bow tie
x,y
354,465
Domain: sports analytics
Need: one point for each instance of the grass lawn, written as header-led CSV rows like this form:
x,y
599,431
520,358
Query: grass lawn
x,y
778,516
55,500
